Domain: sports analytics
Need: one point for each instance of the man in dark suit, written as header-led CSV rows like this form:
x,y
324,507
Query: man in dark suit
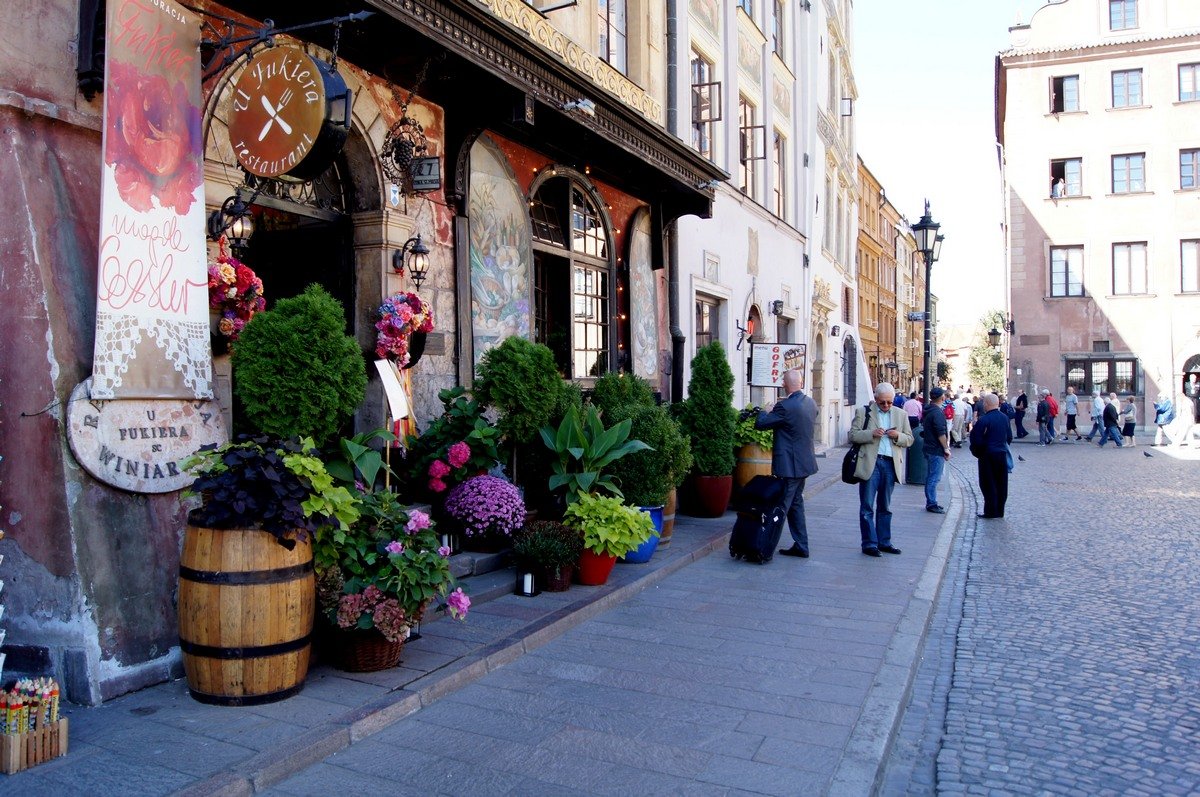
x,y
989,443
793,420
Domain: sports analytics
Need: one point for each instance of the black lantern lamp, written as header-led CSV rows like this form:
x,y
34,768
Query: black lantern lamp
x,y
418,260
233,221
529,583
994,336
929,244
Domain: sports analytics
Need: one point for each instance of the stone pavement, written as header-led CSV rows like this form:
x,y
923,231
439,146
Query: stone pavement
x,y
692,674
1064,656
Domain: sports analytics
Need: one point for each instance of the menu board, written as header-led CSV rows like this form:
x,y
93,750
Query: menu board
x,y
769,361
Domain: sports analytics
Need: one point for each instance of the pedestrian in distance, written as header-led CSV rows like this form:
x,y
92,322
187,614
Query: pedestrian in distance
x,y
1043,420
935,443
1164,415
1191,395
958,429
1071,405
1111,418
792,420
989,444
1097,416
1129,421
1053,402
1021,406
884,434
914,409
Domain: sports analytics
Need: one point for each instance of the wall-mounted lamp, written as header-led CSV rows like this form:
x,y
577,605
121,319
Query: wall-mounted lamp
x,y
744,331
584,106
233,221
834,331
994,335
418,260
777,307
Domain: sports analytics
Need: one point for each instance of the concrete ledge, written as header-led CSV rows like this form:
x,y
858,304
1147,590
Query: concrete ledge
x,y
266,769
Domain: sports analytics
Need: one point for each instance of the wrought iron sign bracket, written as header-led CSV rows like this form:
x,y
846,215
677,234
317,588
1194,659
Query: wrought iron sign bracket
x,y
228,39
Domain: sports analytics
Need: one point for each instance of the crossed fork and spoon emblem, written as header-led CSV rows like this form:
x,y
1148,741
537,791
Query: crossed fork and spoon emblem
x,y
273,114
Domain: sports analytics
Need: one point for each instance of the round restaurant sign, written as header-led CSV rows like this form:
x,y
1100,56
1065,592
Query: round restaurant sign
x,y
280,119
139,444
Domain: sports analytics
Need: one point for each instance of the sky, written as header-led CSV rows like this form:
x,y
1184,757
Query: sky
x,y
925,123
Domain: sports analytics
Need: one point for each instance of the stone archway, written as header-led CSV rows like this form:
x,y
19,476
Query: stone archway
x,y
821,434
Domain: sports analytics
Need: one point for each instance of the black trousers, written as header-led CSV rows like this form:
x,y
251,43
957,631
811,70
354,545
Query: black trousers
x,y
993,482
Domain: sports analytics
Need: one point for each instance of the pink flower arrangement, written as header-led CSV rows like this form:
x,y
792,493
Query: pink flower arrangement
x,y
234,292
458,454
400,316
457,603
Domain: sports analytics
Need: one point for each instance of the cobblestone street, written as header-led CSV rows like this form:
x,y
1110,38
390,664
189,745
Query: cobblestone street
x,y
1062,657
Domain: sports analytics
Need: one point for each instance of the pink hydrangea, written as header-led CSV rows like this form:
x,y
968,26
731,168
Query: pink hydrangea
x,y
395,547
458,603
437,486
458,454
444,550
417,520
350,608
390,620
438,469
372,595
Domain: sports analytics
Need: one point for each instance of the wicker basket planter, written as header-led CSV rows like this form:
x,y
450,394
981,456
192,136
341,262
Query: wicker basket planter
x,y
363,651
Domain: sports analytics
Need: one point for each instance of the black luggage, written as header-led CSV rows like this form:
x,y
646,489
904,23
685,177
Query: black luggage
x,y
760,520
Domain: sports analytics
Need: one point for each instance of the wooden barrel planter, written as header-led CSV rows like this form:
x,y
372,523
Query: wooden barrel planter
x,y
246,607
752,461
668,528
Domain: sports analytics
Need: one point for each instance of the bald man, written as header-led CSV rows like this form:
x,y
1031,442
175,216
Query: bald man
x,y
989,443
792,420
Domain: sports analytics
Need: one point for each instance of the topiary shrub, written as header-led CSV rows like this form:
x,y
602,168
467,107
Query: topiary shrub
x,y
708,416
647,476
295,370
519,379
621,392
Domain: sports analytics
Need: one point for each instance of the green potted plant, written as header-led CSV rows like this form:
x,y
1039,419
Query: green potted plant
x,y
295,370
610,528
375,580
547,551
245,577
458,444
521,382
648,477
753,448
584,449
708,418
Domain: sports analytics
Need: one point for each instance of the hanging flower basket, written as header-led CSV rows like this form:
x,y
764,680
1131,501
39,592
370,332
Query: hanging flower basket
x,y
402,318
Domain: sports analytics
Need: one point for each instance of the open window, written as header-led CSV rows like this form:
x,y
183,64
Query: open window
x,y
1064,94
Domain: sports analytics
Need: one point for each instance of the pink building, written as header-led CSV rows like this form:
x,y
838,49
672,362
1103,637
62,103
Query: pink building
x,y
1098,117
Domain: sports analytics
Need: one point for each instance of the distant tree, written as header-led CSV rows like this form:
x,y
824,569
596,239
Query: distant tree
x,y
985,365
945,373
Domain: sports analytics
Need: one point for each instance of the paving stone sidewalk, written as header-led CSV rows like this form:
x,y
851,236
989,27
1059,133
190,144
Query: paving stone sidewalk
x,y
803,664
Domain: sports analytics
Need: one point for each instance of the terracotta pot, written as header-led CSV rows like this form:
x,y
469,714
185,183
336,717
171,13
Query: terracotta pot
x,y
594,569
669,518
712,495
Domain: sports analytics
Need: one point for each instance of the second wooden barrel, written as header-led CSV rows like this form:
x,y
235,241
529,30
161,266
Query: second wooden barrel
x,y
752,461
246,606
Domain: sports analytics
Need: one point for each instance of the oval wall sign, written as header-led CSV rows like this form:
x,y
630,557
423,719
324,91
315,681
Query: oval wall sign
x,y
139,444
290,116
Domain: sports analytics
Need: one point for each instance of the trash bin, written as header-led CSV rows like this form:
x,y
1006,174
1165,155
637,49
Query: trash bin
x,y
915,469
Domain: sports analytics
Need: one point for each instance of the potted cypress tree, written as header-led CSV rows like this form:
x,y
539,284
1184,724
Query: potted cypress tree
x,y
708,418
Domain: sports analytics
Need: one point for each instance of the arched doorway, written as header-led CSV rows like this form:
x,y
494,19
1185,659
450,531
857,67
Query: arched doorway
x,y
572,274
818,390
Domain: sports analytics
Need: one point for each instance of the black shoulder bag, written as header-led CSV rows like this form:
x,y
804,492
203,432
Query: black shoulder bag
x,y
850,461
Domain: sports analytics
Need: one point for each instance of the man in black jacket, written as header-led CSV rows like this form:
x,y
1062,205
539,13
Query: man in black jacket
x,y
989,442
793,459
936,447
1112,421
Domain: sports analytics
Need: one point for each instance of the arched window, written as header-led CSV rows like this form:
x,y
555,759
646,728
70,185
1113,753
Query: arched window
x,y
849,371
572,277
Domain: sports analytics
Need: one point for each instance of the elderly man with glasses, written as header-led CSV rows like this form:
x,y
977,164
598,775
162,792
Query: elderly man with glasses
x,y
884,433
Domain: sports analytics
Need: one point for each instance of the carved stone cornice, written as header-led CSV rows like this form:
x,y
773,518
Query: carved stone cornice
x,y
471,30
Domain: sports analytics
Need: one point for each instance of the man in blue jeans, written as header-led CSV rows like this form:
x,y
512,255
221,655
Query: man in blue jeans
x,y
936,448
883,434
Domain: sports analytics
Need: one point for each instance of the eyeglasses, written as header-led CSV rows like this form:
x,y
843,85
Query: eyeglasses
x,y
883,402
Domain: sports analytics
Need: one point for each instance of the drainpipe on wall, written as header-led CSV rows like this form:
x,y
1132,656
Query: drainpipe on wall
x,y
677,336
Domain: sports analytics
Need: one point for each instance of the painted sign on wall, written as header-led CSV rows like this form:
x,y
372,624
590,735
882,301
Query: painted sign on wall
x,y
152,288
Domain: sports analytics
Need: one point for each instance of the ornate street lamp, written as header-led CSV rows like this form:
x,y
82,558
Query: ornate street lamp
x,y
994,336
234,221
418,260
929,244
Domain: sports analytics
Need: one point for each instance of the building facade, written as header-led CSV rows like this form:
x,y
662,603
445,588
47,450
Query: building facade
x,y
1098,115
557,179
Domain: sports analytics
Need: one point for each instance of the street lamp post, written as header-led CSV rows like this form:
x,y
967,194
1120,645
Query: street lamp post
x,y
929,244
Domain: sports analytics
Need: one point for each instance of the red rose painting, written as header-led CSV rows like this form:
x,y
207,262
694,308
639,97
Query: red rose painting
x,y
153,140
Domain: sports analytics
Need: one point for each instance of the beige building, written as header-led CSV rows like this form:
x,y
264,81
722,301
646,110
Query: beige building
x,y
1098,115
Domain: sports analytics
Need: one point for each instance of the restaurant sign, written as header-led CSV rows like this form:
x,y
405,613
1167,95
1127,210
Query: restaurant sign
x,y
140,445
290,114
769,361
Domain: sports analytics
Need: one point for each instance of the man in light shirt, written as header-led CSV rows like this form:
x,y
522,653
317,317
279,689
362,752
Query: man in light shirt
x,y
884,434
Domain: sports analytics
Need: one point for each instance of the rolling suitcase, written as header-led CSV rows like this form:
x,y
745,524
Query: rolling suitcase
x,y
760,520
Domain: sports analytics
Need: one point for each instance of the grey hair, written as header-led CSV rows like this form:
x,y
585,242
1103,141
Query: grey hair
x,y
884,388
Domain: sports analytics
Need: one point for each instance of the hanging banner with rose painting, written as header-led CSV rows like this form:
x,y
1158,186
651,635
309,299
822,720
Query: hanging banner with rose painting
x,y
152,335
